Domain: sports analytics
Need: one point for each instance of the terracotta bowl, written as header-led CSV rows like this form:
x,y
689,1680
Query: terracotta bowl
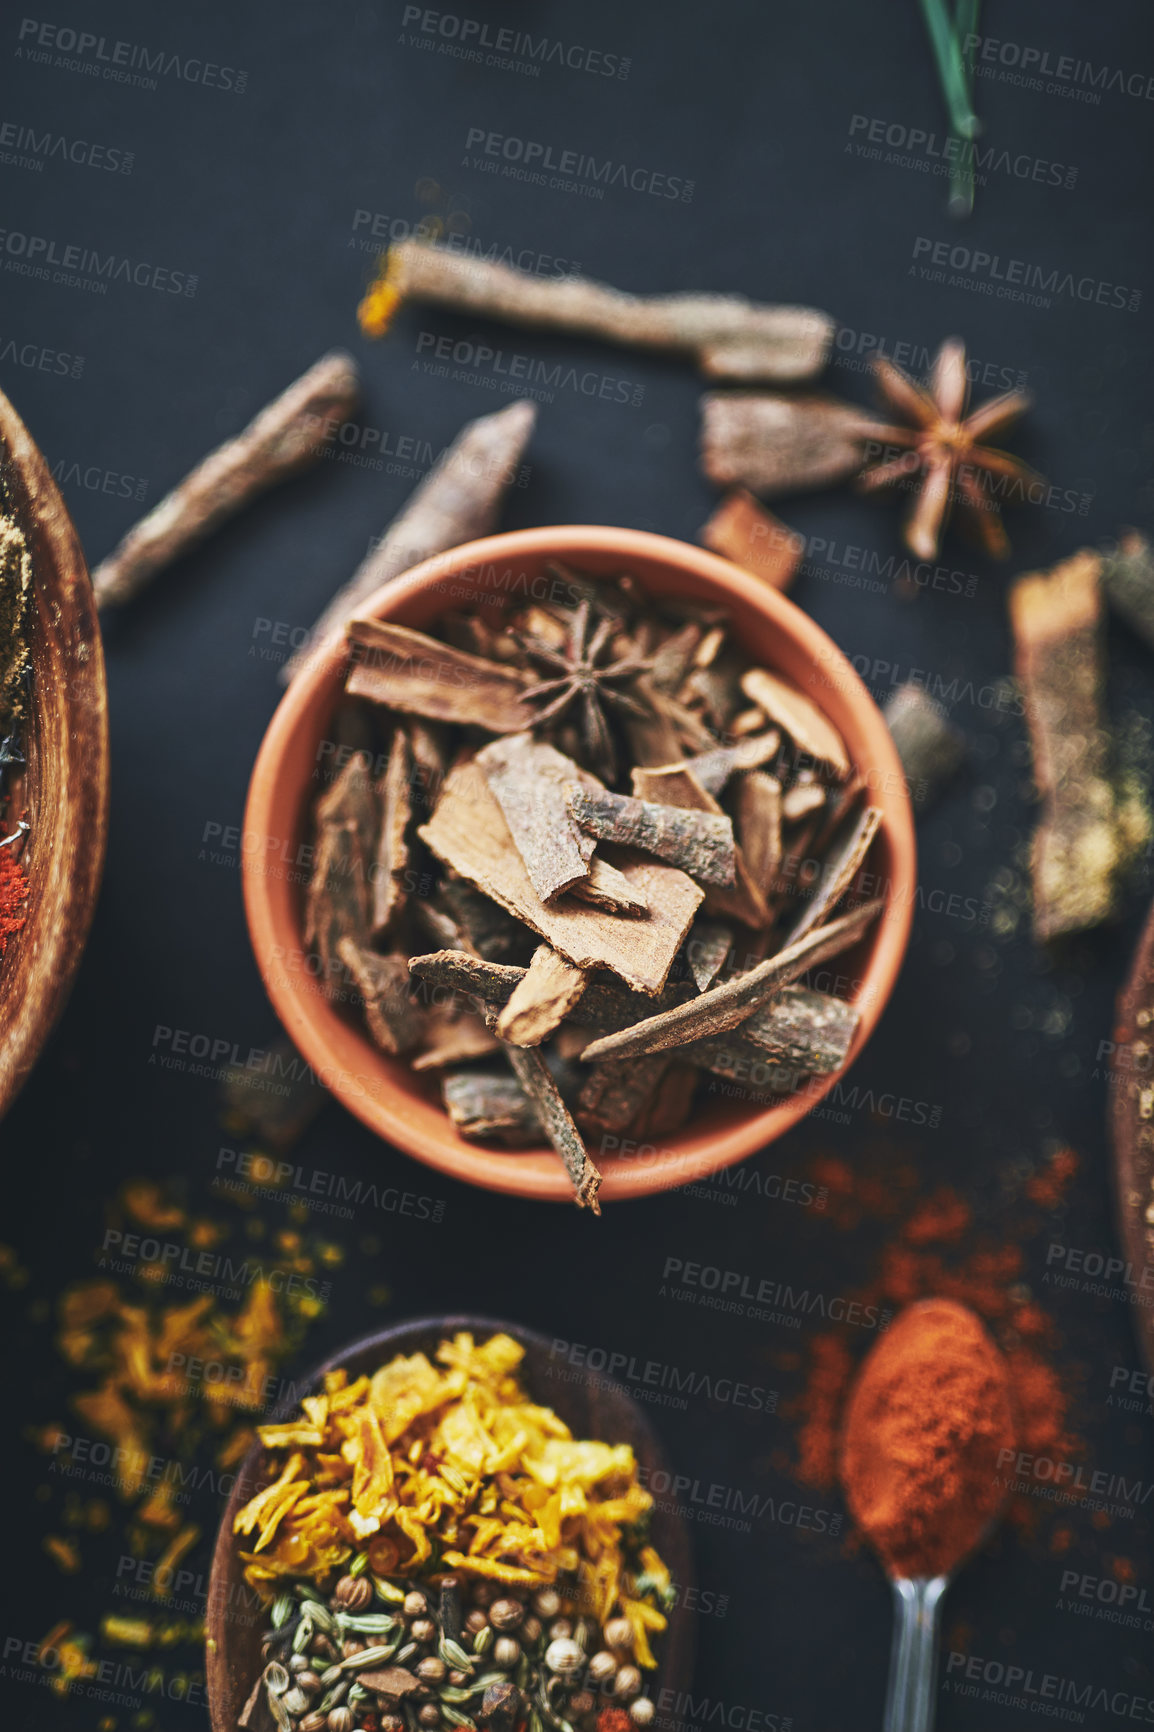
x,y
404,1107
64,737
591,1405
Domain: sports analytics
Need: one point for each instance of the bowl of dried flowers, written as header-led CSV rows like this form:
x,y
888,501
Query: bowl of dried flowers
x,y
53,753
584,864
451,1529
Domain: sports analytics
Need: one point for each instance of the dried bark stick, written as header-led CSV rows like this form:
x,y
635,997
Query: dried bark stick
x,y
700,843
452,1036
775,445
707,948
489,1104
1128,579
759,806
930,747
392,842
289,434
798,716
753,538
676,785
607,888
533,1075
810,1032
458,501
730,337
468,832
529,780
1077,852
386,993
617,1091
838,872
600,1006
543,997
724,1007
713,769
406,670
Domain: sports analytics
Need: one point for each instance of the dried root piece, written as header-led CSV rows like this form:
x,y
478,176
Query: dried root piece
x,y
542,998
749,535
457,502
1078,851
930,747
555,1120
808,1032
773,444
700,843
729,337
424,677
288,435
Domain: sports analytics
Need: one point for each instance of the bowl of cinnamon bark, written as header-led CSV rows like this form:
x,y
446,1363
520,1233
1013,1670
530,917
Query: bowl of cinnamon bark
x,y
582,867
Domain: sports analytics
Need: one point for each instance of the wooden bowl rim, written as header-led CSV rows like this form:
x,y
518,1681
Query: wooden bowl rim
x,y
368,1083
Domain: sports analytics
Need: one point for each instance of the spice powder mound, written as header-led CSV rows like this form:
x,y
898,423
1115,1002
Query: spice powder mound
x,y
925,1424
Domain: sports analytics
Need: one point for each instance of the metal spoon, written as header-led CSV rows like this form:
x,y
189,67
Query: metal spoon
x,y
914,1656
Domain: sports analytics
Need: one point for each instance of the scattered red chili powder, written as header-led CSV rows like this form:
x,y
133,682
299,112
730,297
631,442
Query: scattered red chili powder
x,y
13,897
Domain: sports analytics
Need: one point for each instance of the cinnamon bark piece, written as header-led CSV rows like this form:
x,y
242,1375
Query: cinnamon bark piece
x,y
289,434
774,444
1078,853
846,854
706,949
468,832
458,501
726,1006
392,856
732,1056
529,780
386,993
543,997
352,800
806,1031
452,1036
1128,579
802,801
607,888
699,842
408,671
653,738
798,716
713,769
337,900
556,1121
753,538
489,1105
486,927
671,1102
759,806
617,1091
728,336
601,1006
676,785
930,747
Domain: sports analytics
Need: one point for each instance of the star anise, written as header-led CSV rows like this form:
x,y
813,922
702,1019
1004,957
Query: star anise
x,y
946,451
581,677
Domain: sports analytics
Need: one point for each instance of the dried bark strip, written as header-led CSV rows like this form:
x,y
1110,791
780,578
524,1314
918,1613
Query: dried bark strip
x,y
489,1105
809,1032
394,1021
458,501
731,1055
729,336
287,435
1077,853
337,900
600,1006
930,747
619,1090
352,800
542,998
759,826
774,444
529,779
707,947
700,843
392,857
608,888
802,800
714,768
468,832
486,927
406,670
798,716
744,532
724,1007
676,785
1128,579
534,1077
839,870
453,1036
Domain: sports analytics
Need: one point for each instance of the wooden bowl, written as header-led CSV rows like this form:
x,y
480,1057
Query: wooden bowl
x,y
591,1405
403,1106
64,737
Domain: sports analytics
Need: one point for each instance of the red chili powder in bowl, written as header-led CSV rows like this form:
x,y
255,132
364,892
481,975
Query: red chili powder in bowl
x,y
925,1422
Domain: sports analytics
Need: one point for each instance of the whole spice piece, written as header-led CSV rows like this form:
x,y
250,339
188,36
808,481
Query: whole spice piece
x,y
458,501
422,676
529,780
699,842
1079,850
582,673
753,538
945,450
730,337
774,445
927,1417
288,435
